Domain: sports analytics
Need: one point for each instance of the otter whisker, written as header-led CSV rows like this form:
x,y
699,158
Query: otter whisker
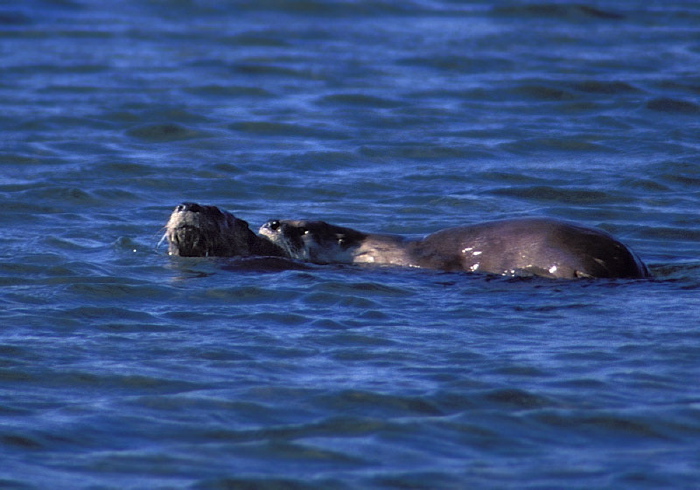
x,y
162,239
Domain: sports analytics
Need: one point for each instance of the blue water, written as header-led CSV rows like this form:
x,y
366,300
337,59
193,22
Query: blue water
x,y
122,367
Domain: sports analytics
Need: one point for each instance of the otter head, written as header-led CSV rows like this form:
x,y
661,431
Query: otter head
x,y
206,231
314,241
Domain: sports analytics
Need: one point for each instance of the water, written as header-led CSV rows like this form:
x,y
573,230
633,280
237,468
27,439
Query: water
x,y
121,367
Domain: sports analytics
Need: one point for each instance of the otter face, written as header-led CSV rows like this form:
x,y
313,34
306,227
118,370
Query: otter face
x,y
206,231
313,241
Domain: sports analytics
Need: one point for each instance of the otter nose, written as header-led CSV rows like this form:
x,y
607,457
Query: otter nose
x,y
192,207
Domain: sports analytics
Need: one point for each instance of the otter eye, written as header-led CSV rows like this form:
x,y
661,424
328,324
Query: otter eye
x,y
303,231
273,224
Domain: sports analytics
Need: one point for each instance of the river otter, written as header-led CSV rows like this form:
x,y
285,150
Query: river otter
x,y
206,231
532,246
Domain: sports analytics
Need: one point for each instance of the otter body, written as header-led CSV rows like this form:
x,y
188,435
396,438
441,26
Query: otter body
x,y
534,246
194,230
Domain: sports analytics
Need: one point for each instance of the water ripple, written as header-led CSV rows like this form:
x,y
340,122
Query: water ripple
x,y
125,367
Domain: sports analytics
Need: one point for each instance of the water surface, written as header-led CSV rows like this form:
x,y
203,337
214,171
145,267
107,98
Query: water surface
x,y
122,367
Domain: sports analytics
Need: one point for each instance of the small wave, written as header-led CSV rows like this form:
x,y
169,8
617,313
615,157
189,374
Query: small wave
x,y
604,87
360,100
266,128
217,91
572,12
572,196
167,132
674,106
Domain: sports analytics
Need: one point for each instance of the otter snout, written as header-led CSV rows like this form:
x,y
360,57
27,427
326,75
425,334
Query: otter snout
x,y
274,230
283,230
198,209
273,224
191,207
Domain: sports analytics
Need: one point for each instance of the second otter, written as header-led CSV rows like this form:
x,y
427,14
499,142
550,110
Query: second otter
x,y
534,246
